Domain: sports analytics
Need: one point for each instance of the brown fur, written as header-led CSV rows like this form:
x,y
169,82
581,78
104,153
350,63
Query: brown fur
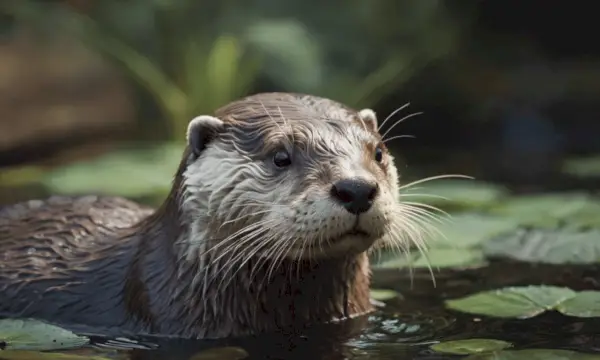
x,y
109,263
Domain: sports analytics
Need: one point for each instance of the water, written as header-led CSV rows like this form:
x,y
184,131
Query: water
x,y
407,326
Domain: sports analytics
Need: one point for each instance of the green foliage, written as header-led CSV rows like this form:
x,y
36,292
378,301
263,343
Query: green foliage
x,y
529,301
193,57
534,354
29,334
129,172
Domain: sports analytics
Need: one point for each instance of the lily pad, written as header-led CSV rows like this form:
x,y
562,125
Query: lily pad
x,y
221,353
584,304
468,230
584,167
35,355
565,246
470,346
384,294
534,354
456,193
129,173
438,258
513,302
29,334
549,210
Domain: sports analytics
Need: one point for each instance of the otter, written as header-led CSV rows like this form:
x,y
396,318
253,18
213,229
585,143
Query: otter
x,y
277,202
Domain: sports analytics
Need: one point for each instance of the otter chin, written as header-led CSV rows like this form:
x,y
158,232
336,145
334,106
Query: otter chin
x,y
275,206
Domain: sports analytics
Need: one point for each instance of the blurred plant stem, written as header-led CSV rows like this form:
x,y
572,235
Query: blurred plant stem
x,y
194,77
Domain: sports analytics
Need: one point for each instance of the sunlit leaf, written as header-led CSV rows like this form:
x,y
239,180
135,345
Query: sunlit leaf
x,y
467,230
559,246
437,258
513,302
534,354
470,346
35,355
29,334
129,173
456,193
384,294
584,304
548,210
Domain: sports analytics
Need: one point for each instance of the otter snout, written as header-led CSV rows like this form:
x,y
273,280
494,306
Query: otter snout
x,y
354,194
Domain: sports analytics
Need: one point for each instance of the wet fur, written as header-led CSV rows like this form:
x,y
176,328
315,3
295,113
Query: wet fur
x,y
238,247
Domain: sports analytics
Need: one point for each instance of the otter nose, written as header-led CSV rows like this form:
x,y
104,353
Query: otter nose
x,y
355,195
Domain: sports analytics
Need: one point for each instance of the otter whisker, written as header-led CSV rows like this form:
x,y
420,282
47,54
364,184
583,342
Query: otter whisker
x,y
437,177
392,115
425,225
423,195
234,260
399,137
399,122
277,124
421,247
436,214
235,238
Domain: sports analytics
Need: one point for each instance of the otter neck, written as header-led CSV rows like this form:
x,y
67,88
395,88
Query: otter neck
x,y
209,301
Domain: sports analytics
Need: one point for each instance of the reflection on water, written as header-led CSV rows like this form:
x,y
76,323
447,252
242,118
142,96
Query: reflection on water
x,y
408,325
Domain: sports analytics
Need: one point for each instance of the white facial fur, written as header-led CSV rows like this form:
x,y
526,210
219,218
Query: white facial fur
x,y
235,200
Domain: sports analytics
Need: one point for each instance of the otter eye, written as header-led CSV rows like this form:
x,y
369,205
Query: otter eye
x,y
378,154
282,159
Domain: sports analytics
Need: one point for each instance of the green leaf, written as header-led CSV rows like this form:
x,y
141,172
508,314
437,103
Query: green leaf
x,y
534,354
222,353
513,302
468,230
584,167
565,246
129,173
547,210
470,346
384,294
293,56
584,304
458,193
29,334
35,355
438,258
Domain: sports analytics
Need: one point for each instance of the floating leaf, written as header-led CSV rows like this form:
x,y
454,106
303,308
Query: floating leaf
x,y
29,334
534,354
34,355
129,173
457,193
548,210
222,353
438,258
584,304
513,302
467,230
384,294
584,167
470,346
566,246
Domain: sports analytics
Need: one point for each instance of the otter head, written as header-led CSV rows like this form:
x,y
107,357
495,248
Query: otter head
x,y
289,176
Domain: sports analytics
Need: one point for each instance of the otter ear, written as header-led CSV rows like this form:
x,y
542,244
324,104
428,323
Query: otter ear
x,y
201,130
369,118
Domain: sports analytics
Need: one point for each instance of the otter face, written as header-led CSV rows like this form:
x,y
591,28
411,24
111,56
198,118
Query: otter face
x,y
290,176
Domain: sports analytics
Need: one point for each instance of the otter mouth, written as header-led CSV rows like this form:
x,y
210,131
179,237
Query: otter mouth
x,y
356,232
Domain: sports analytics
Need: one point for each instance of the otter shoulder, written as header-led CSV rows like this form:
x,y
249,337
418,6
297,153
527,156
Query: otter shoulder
x,y
68,223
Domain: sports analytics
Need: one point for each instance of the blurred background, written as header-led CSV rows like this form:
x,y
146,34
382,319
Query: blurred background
x,y
95,95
